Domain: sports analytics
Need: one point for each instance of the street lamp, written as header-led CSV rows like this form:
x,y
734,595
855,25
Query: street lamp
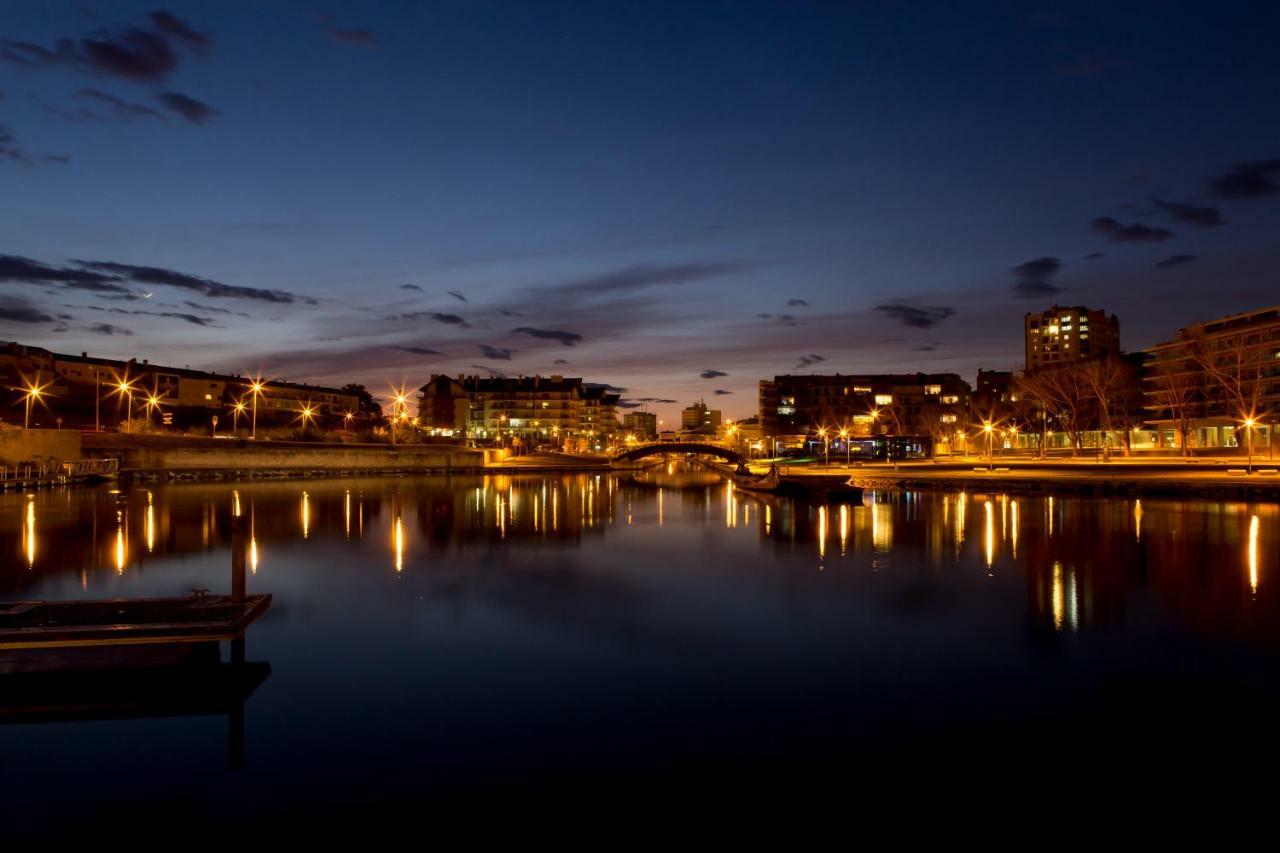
x,y
153,402
34,392
307,414
1248,437
236,411
255,388
844,436
826,447
125,387
989,428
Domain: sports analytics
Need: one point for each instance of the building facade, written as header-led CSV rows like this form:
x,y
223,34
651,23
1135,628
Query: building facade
x,y
1060,336
643,425
935,405
532,409
1205,385
700,419
84,390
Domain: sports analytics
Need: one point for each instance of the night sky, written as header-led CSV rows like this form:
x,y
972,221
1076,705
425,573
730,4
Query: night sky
x,y
674,198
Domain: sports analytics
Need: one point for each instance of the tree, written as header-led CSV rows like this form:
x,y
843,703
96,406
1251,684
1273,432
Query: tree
x,y
1063,394
1179,394
1109,382
367,404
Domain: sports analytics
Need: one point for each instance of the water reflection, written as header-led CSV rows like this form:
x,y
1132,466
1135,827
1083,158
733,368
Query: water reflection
x,y
1081,560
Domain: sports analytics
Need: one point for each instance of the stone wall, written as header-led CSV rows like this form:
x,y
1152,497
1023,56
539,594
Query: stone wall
x,y
172,454
39,445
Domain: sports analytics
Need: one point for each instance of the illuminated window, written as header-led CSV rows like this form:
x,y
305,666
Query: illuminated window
x,y
884,399
948,419
933,389
861,389
951,398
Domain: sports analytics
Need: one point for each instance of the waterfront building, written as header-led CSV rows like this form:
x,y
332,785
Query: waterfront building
x,y
643,425
538,409
699,418
1202,387
82,390
1061,336
794,408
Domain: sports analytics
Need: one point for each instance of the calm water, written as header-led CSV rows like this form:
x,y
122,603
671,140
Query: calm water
x,y
450,643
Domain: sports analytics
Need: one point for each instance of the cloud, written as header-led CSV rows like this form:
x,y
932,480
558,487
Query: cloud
x,y
119,106
492,371
196,112
447,319
411,287
109,329
184,281
605,386
172,25
9,150
812,358
924,347
419,350
1175,261
796,303
20,270
561,361
207,322
783,319
1035,277
1251,179
712,374
138,54
495,352
915,317
359,38
1135,233
1093,256
458,296
19,311
719,392
206,308
652,400
1192,214
567,338
635,278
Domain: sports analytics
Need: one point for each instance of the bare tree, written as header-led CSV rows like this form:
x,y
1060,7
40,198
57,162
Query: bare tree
x,y
1108,381
1179,394
1063,394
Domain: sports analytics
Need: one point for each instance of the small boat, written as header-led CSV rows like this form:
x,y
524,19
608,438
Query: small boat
x,y
770,481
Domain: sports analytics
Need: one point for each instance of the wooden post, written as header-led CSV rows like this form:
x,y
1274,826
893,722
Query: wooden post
x,y
239,552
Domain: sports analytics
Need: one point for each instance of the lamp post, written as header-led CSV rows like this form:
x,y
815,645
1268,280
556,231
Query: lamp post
x,y
236,411
125,387
255,388
34,392
826,447
1248,438
153,402
844,436
989,428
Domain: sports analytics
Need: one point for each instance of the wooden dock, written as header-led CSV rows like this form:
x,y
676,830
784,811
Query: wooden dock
x,y
32,475
119,622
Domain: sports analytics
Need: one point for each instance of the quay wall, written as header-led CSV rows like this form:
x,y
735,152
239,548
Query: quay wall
x,y
175,455
39,445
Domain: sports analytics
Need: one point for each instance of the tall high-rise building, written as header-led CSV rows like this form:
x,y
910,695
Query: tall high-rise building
x,y
644,425
1060,336
698,417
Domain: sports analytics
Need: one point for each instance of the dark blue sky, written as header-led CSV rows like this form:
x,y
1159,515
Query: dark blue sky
x,y
633,192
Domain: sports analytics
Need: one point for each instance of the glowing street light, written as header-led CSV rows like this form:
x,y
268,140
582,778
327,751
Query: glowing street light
x,y
33,393
237,410
844,436
153,402
124,387
989,429
1249,424
256,388
347,418
826,446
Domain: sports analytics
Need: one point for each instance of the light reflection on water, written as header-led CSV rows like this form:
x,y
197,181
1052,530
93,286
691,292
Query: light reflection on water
x,y
462,607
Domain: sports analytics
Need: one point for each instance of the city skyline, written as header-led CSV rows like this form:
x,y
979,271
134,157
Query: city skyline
x,y
625,194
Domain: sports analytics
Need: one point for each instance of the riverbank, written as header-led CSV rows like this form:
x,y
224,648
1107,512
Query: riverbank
x,y
155,457
1169,478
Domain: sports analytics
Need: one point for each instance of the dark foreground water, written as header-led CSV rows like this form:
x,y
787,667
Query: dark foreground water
x,y
569,645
